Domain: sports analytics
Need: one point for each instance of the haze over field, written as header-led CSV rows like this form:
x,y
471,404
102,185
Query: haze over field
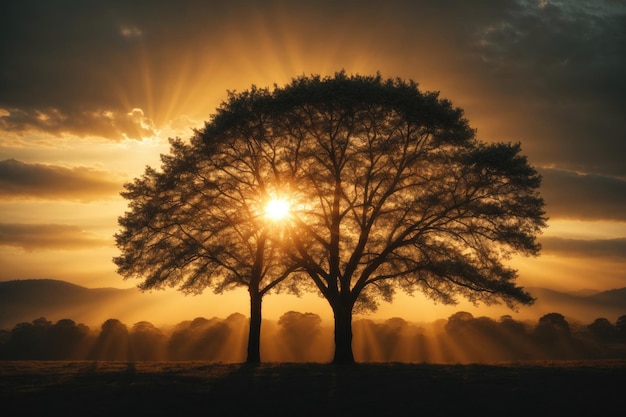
x,y
25,300
90,93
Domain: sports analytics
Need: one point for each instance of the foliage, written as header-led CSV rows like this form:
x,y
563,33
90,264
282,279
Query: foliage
x,y
389,186
301,337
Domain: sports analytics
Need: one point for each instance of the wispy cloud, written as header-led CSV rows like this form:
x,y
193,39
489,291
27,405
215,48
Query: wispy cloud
x,y
41,181
578,248
32,237
113,125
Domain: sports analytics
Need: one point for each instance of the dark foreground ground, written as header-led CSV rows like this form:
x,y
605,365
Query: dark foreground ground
x,y
196,388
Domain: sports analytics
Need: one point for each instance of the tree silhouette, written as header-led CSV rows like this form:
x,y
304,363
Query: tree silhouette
x,y
113,343
393,191
554,336
402,196
603,330
388,187
28,340
620,325
380,342
201,221
67,340
299,333
147,342
205,339
515,336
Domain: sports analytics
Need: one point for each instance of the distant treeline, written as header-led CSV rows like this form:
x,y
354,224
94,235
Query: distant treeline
x,y
300,337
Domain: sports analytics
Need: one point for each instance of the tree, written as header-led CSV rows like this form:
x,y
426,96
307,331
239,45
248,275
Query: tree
x,y
553,333
299,333
603,330
147,342
113,343
28,340
388,189
620,325
210,218
67,340
391,190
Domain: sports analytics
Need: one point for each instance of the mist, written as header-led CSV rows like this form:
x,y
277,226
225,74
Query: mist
x,y
303,338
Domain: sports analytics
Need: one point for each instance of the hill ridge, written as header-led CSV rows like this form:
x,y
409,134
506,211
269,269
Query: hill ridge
x,y
23,300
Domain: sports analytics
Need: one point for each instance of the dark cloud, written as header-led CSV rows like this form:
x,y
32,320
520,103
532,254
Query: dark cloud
x,y
577,248
25,180
48,236
550,46
546,73
550,74
570,195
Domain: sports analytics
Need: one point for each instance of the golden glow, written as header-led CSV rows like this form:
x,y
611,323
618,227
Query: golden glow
x,y
580,229
277,209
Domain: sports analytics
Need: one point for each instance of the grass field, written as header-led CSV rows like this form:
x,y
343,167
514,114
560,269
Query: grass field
x,y
373,389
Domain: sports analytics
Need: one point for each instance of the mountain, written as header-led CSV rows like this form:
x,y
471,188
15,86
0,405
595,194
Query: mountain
x,y
26,300
584,293
583,308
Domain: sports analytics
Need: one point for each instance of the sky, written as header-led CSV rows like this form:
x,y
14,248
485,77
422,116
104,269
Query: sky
x,y
90,92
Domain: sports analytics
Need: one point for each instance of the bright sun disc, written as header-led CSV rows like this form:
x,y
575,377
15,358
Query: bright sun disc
x,y
277,209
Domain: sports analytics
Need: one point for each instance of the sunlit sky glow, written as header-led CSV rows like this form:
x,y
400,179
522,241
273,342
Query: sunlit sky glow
x,y
89,96
277,209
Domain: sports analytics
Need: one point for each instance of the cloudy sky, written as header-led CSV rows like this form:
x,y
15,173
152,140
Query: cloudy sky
x,y
90,91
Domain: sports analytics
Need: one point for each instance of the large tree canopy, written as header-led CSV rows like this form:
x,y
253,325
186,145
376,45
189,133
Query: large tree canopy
x,y
388,189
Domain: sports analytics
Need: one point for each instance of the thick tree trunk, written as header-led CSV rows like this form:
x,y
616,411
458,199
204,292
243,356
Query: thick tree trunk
x,y
343,335
254,334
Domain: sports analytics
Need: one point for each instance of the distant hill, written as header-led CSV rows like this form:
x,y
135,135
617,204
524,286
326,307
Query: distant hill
x,y
26,300
584,308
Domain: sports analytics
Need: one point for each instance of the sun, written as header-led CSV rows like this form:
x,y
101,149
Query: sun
x,y
277,209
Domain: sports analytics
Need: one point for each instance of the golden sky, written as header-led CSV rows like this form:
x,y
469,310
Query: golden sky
x,y
90,92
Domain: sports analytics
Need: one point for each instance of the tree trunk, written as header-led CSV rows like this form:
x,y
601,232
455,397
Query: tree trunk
x,y
254,334
343,335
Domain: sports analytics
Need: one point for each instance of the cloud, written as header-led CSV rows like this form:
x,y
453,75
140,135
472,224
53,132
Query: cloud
x,y
547,73
31,180
552,76
130,31
48,236
570,195
107,124
82,67
577,248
